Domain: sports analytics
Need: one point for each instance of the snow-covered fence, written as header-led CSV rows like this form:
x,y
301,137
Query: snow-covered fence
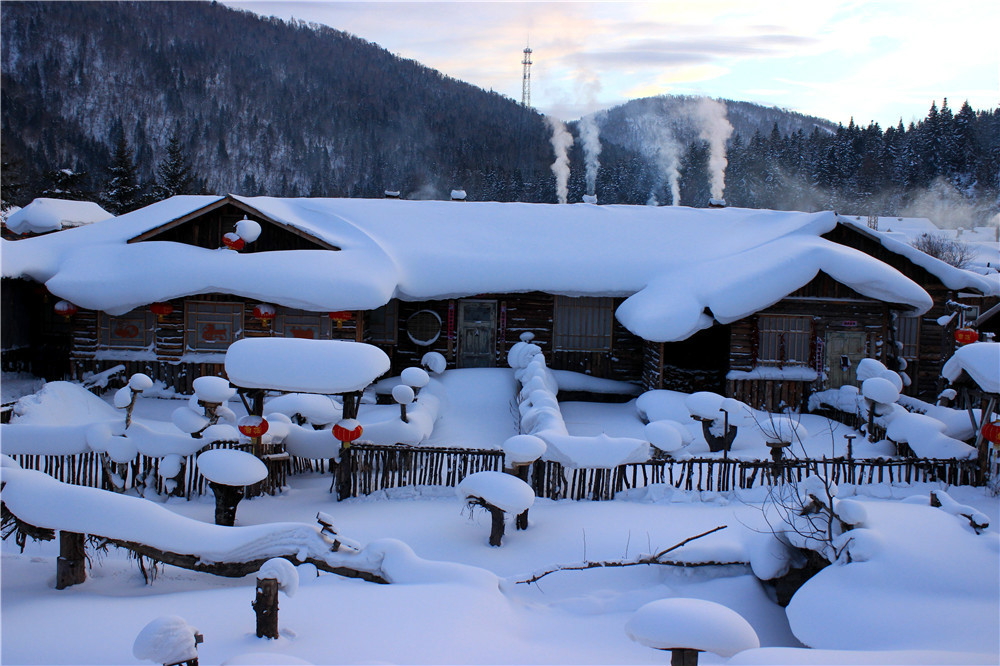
x,y
369,468
552,480
85,469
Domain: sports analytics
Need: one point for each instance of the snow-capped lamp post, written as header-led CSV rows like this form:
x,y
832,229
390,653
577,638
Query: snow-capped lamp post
x,y
274,575
498,493
168,640
686,627
229,472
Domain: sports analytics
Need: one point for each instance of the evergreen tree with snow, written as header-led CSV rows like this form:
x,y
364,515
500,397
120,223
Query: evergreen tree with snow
x,y
173,174
122,191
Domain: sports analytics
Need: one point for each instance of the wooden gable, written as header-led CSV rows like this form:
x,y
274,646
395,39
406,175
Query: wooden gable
x,y
205,228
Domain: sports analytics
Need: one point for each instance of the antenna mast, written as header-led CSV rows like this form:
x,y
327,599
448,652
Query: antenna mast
x,y
526,78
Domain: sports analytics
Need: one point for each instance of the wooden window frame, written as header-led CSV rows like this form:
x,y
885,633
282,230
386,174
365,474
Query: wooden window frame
x,y
193,313
287,319
142,318
909,335
780,344
583,324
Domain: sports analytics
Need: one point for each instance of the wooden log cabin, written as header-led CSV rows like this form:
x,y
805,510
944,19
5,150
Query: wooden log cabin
x,y
154,291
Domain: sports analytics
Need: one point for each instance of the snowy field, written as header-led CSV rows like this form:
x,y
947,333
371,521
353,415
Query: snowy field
x,y
924,587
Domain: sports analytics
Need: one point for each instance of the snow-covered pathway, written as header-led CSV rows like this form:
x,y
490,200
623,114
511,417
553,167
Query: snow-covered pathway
x,y
480,412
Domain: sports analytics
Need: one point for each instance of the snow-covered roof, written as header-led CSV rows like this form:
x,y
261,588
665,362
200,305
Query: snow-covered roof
x,y
672,263
898,240
44,215
306,366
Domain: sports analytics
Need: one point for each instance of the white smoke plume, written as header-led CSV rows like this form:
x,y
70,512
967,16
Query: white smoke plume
x,y
590,136
716,130
561,142
658,144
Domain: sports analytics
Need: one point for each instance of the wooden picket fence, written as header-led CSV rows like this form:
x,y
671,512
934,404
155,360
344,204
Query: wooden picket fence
x,y
367,468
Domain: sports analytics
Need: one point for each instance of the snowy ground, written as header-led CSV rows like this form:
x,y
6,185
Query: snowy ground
x,y
927,592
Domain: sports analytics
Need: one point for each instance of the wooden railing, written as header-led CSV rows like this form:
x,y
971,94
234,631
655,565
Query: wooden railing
x,y
367,468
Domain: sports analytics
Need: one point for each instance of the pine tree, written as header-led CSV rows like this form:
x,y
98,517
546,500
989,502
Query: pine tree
x,y
173,174
122,191
66,184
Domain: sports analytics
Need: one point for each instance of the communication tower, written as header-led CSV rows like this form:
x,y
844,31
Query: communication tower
x,y
526,78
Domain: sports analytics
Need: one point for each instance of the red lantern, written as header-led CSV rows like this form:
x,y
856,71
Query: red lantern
x,y
263,312
252,426
233,241
161,309
991,431
65,308
340,317
347,430
964,336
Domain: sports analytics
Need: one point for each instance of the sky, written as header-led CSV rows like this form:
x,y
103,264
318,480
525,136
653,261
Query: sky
x,y
838,59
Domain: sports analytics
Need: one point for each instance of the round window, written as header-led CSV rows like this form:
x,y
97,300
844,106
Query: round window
x,y
424,327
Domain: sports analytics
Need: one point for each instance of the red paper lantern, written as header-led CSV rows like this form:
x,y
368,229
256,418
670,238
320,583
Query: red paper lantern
x,y
964,336
252,426
347,430
263,312
233,241
161,309
65,308
991,431
340,317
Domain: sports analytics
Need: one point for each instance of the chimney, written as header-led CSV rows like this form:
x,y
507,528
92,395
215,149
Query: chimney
x,y
392,194
716,203
590,198
458,195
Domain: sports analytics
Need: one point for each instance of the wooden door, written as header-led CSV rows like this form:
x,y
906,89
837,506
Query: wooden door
x,y
477,333
843,351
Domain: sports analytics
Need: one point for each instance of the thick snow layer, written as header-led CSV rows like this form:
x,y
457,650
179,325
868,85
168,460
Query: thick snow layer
x,y
665,435
503,491
692,623
980,360
213,389
231,468
307,366
879,389
916,592
63,403
672,263
283,571
43,215
925,436
599,451
522,449
168,639
314,408
798,373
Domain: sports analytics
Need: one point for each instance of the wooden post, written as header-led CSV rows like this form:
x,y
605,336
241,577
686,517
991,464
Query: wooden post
x,y
226,499
71,566
496,528
683,657
266,607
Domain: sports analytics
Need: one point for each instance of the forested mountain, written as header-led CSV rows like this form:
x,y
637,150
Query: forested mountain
x,y
215,99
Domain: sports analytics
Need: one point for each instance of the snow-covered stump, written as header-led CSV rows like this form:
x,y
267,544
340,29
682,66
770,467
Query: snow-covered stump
x,y
71,566
168,640
499,494
229,473
718,423
277,573
520,452
686,627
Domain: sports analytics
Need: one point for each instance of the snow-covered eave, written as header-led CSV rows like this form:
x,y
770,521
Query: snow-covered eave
x,y
950,276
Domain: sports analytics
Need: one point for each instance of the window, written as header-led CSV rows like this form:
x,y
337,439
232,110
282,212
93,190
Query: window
x,y
424,327
302,324
908,334
133,330
582,324
784,340
211,326
381,324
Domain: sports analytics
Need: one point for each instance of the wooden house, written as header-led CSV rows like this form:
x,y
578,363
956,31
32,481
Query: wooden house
x,y
763,305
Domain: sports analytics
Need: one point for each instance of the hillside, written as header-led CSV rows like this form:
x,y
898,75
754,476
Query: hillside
x,y
263,106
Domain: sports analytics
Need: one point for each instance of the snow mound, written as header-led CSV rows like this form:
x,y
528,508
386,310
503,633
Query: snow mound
x,y
283,571
168,639
231,468
980,360
694,624
43,215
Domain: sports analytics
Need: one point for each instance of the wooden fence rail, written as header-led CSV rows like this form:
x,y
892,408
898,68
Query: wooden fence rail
x,y
367,468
